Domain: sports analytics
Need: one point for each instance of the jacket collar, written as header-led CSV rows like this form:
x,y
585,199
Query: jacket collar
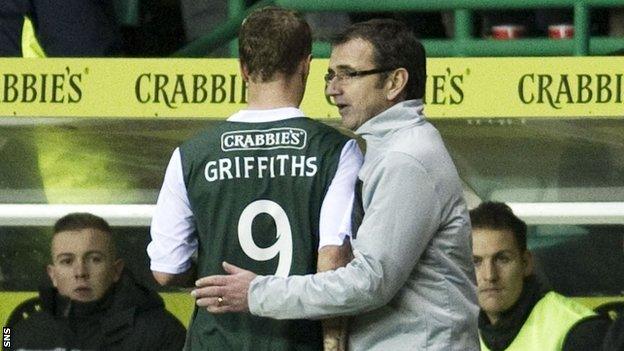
x,y
398,116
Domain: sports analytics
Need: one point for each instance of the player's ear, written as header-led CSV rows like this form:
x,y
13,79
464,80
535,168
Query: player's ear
x,y
305,64
304,69
244,71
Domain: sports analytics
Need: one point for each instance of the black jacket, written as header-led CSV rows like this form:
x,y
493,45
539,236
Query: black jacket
x,y
614,341
129,317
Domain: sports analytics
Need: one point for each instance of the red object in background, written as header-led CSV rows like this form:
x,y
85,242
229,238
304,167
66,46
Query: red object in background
x,y
561,31
507,31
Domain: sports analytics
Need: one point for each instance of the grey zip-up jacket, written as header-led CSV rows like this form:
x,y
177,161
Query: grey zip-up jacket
x,y
411,285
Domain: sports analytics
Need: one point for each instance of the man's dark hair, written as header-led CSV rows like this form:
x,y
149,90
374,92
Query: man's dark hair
x,y
78,221
394,46
273,40
499,216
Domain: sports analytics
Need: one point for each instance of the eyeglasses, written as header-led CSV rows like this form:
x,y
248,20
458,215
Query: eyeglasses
x,y
344,76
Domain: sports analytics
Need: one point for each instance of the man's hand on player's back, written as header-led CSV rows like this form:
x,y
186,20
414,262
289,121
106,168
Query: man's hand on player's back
x,y
224,293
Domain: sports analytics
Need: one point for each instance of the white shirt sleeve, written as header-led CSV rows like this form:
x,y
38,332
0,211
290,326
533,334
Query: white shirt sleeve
x,y
172,230
335,220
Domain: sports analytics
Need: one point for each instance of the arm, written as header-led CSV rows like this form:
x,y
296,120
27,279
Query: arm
x,y
402,215
184,279
335,229
334,329
172,230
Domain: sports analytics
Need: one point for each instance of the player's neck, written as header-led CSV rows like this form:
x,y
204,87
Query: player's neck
x,y
275,94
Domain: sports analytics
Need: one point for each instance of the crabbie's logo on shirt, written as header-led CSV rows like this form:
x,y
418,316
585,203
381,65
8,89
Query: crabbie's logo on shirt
x,y
267,139
259,165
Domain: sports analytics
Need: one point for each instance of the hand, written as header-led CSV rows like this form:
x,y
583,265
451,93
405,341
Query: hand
x,y
224,293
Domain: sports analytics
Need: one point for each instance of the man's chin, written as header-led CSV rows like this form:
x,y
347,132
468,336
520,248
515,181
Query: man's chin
x,y
491,303
82,299
83,296
349,123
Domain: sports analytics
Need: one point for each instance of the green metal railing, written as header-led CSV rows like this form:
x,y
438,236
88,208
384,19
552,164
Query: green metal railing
x,y
223,34
462,44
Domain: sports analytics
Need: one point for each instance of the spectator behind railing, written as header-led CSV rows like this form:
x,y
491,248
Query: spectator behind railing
x,y
516,312
616,22
62,28
536,23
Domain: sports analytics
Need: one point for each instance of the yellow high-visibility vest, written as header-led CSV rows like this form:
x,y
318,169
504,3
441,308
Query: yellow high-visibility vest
x,y
548,323
30,44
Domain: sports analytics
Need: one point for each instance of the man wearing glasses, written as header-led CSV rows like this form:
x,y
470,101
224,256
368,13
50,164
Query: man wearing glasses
x,y
411,285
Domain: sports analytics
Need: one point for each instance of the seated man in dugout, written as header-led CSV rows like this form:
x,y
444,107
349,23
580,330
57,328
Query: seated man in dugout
x,y
93,303
517,314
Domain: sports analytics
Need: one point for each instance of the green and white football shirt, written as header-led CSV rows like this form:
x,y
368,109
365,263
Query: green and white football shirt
x,y
260,195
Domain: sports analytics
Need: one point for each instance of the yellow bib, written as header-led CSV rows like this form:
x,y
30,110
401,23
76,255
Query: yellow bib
x,y
30,44
547,325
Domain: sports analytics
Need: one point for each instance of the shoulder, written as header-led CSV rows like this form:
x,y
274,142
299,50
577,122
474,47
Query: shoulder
x,y
313,126
209,139
323,126
39,330
565,304
422,141
321,138
318,128
399,163
421,150
394,172
29,312
34,321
